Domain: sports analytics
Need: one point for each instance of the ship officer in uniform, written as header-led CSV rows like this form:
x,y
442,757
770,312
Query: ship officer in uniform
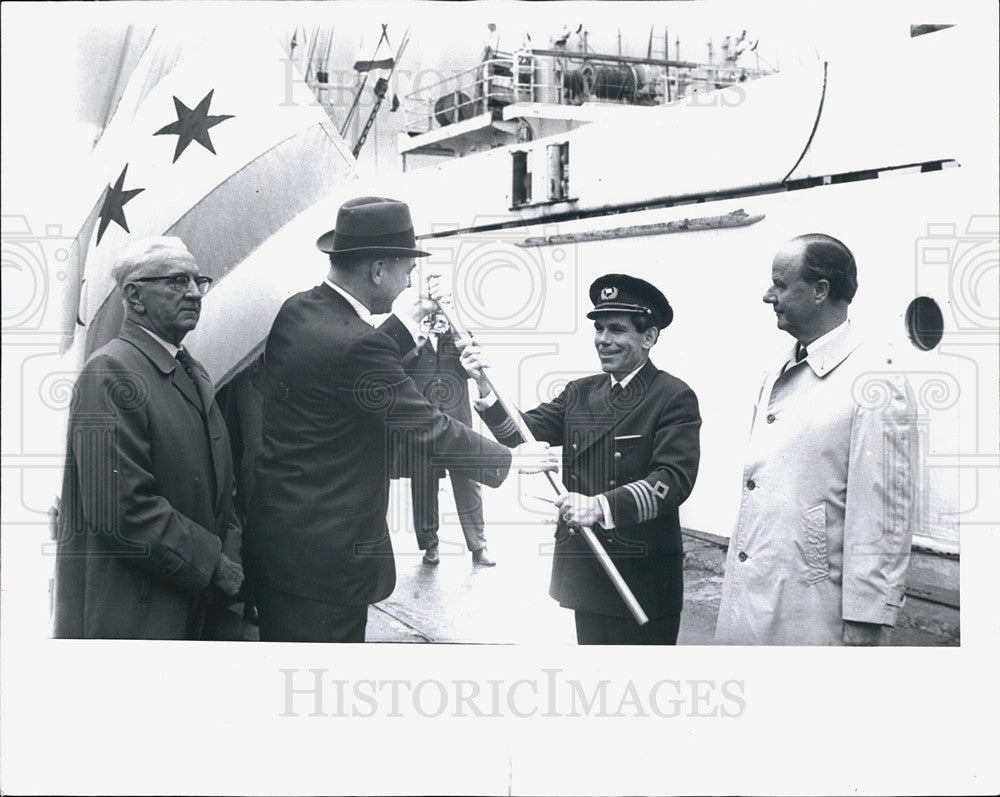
x,y
630,445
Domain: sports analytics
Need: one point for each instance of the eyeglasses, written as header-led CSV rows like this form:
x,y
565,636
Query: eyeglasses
x,y
180,282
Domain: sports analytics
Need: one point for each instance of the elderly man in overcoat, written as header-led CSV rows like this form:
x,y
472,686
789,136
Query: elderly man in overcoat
x,y
336,399
147,541
821,546
630,458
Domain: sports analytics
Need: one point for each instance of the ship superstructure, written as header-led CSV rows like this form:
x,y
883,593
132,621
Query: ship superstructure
x,y
521,95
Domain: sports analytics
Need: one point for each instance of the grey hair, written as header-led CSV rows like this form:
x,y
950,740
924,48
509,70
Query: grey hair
x,y
139,258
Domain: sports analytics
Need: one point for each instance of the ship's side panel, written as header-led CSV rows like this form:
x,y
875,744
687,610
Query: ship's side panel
x,y
911,237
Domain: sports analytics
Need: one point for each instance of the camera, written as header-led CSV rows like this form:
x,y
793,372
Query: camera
x,y
504,284
961,270
30,263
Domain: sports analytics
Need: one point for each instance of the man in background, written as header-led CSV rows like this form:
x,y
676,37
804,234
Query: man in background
x,y
437,372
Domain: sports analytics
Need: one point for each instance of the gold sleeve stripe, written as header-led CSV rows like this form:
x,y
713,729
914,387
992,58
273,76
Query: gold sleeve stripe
x,y
642,494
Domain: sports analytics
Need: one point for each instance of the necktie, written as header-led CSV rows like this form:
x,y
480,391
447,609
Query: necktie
x,y
800,352
616,391
185,360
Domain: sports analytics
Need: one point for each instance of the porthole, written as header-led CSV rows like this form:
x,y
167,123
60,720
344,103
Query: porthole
x,y
924,323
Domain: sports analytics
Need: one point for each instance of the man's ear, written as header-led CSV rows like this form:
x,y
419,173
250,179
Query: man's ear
x,y
821,290
133,298
649,337
376,270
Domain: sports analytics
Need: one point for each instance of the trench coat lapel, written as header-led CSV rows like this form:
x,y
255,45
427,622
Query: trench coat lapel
x,y
812,370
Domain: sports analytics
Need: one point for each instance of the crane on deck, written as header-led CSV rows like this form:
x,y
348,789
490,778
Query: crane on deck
x,y
380,89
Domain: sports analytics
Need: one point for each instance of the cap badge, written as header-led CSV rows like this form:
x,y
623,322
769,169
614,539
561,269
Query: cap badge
x,y
609,294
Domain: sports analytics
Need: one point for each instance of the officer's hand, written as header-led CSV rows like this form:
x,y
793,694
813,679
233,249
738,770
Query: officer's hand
x,y
438,289
534,457
227,577
474,361
581,510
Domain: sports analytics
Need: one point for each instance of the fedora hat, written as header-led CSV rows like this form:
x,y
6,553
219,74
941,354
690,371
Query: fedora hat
x,y
621,293
372,224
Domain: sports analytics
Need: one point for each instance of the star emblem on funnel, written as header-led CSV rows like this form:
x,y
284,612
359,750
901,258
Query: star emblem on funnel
x,y
192,125
113,209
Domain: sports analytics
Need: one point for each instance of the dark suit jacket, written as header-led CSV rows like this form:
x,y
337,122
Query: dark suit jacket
x,y
641,452
336,400
439,375
147,496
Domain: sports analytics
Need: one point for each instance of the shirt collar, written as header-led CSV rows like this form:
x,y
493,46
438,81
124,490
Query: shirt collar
x,y
824,341
170,347
627,378
829,350
363,312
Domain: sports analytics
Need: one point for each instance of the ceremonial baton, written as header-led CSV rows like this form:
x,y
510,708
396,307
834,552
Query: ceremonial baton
x,y
447,310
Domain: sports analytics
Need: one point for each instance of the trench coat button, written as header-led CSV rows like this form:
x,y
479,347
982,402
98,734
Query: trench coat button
x,y
618,455
611,483
770,417
751,484
742,556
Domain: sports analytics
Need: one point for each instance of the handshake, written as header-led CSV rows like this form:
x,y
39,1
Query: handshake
x,y
534,457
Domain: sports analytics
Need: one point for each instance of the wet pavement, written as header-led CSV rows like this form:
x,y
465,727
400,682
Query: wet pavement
x,y
457,601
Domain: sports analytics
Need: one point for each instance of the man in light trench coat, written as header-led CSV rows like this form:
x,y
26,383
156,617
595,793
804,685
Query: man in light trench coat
x,y
821,546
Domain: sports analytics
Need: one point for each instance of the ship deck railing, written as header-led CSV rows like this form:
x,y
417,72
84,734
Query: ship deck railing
x,y
560,78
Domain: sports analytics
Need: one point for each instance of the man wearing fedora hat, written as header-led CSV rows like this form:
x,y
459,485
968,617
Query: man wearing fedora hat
x,y
630,457
335,398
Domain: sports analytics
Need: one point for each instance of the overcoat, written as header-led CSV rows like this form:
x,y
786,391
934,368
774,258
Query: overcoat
x,y
336,401
640,451
827,508
146,504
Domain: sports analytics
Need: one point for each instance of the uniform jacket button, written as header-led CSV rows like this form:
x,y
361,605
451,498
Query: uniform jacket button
x,y
751,484
742,556
575,446
611,483
618,455
770,417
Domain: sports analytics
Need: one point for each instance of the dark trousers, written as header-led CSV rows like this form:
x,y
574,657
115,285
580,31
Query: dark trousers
x,y
603,629
292,618
468,502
